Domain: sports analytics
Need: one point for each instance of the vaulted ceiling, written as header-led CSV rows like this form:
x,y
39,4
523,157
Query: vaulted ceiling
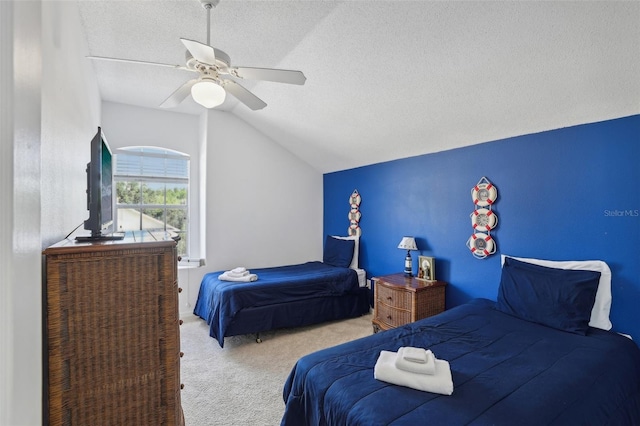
x,y
385,79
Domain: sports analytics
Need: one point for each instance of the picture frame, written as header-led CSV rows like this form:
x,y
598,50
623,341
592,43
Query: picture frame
x,y
426,268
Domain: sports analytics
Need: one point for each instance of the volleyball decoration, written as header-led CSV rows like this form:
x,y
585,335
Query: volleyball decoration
x,y
483,219
354,214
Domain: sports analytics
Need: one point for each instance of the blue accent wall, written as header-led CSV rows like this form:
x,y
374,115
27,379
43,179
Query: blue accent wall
x,y
566,194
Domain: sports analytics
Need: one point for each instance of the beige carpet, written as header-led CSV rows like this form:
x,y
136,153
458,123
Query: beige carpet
x,y
242,384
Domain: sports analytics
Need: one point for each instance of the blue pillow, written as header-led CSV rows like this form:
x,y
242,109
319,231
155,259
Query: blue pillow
x,y
557,298
338,252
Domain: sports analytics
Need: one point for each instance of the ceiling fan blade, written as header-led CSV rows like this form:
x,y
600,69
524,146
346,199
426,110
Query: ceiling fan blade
x,y
243,95
179,95
200,51
269,74
132,61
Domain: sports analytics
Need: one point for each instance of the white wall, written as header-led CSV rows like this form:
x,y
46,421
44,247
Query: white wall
x,y
253,203
49,108
6,212
127,125
20,91
263,204
70,117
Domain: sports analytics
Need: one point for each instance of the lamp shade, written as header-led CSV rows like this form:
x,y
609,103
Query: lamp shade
x,y
408,243
208,93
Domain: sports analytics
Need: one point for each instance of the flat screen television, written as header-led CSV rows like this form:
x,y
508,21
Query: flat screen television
x,y
100,192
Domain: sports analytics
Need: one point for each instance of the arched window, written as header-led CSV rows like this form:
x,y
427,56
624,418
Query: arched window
x,y
152,191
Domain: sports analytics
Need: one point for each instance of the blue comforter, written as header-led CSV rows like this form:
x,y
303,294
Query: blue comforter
x,y
506,371
219,301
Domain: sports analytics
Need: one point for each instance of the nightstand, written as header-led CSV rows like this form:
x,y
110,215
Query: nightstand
x,y
400,300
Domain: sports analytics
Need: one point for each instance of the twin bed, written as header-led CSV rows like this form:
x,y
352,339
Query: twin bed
x,y
287,296
540,355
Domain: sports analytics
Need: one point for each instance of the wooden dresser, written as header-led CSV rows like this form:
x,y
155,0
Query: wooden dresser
x,y
400,300
111,332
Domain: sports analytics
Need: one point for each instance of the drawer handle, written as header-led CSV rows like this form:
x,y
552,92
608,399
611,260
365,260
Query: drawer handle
x,y
181,322
181,385
179,289
389,317
181,354
389,298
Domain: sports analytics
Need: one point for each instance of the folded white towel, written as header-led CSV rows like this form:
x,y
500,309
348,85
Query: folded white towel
x,y
423,367
239,270
237,274
413,354
246,278
440,382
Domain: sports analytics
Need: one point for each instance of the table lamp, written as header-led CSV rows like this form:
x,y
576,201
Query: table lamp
x,y
408,244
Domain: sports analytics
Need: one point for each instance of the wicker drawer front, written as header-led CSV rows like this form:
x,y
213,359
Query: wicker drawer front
x,y
430,303
112,340
396,298
391,316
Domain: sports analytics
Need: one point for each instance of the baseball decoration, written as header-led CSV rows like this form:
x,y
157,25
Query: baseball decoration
x,y
483,219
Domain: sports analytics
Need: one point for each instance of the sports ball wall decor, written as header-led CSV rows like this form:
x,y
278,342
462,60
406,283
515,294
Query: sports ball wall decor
x,y
354,214
483,219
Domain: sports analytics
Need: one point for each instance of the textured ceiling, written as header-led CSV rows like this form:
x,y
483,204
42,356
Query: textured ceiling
x,y
385,79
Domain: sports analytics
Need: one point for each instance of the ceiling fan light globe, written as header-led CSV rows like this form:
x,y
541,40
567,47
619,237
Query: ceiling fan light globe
x,y
208,94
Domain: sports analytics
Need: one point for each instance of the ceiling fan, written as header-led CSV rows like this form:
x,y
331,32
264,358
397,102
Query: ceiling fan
x,y
216,75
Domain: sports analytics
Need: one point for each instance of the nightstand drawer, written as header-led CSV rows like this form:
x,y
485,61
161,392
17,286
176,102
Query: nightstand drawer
x,y
391,316
400,299
394,297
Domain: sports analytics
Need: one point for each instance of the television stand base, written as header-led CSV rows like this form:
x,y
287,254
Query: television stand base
x,y
94,238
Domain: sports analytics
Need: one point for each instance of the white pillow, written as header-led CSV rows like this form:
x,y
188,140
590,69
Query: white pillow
x,y
356,249
602,306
